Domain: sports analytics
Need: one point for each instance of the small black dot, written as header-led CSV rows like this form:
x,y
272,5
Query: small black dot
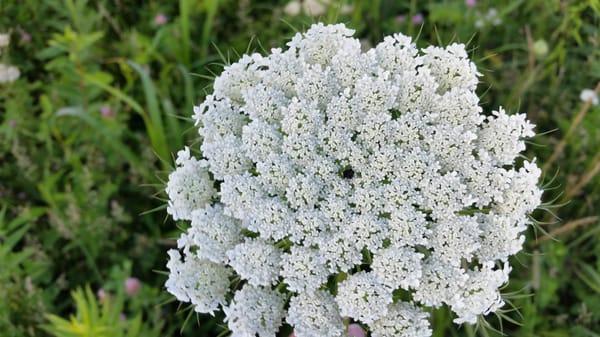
x,y
348,173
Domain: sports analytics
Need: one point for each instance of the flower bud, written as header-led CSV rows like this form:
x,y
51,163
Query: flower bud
x,y
132,286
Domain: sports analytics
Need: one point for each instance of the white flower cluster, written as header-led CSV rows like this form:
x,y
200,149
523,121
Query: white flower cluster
x,y
8,73
190,187
490,18
314,8
341,178
589,95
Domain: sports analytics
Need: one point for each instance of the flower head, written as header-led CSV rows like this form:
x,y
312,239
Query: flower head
x,y
255,310
403,320
322,160
589,95
363,297
211,235
132,286
160,19
106,111
417,19
355,330
9,73
4,40
257,261
102,295
293,8
189,187
315,314
201,282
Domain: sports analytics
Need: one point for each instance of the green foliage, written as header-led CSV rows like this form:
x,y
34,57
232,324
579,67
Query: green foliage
x,y
93,319
20,275
88,132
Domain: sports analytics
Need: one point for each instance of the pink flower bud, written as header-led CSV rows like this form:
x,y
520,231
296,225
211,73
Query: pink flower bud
x,y
417,19
101,294
401,18
160,19
132,286
355,330
106,111
470,3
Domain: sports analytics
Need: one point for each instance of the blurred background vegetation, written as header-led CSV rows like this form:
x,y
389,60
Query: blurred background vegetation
x,y
104,97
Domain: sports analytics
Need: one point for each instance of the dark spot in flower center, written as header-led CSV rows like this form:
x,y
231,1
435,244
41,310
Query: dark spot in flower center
x,y
348,173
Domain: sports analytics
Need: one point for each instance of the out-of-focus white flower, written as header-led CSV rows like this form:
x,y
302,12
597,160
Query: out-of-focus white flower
x,y
589,95
347,9
8,73
4,40
314,7
293,8
325,159
491,18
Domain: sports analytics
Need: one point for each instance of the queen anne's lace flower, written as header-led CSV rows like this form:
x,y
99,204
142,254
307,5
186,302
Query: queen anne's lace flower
x,y
303,269
257,261
363,297
403,320
480,294
189,187
315,314
211,235
338,171
201,282
398,267
440,283
255,310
